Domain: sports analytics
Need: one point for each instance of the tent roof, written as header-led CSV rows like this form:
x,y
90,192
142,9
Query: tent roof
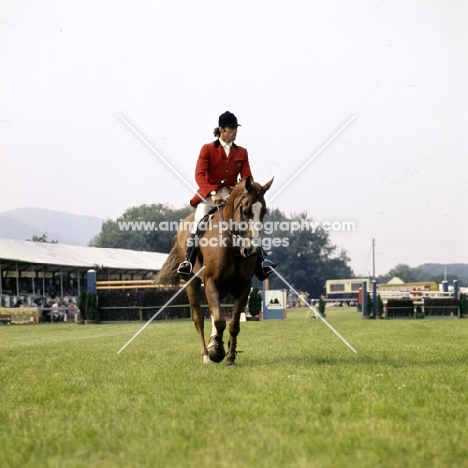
x,y
42,253
396,280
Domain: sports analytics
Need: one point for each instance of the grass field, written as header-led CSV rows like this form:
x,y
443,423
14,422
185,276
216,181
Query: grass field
x,y
297,398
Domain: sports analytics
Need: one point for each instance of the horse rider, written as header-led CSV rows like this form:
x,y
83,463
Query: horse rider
x,y
219,165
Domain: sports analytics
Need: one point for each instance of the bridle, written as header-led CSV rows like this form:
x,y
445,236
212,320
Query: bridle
x,y
238,207
235,235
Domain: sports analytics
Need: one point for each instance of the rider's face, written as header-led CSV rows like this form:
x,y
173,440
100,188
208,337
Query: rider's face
x,y
228,134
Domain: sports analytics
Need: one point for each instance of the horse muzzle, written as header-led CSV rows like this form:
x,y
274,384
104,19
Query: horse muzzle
x,y
243,245
249,247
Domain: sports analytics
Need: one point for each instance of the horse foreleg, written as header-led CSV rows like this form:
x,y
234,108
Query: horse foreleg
x,y
216,345
234,327
193,292
199,321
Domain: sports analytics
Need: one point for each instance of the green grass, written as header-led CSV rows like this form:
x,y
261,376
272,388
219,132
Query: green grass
x,y
298,397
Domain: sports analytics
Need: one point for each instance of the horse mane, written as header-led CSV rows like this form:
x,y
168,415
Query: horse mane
x,y
239,188
253,188
236,192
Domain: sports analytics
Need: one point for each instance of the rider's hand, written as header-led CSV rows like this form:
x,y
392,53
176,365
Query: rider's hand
x,y
217,199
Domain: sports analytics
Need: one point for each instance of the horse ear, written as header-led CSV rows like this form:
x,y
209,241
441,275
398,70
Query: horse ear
x,y
267,186
248,182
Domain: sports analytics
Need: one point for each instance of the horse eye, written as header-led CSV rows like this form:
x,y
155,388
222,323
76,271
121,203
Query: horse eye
x,y
246,209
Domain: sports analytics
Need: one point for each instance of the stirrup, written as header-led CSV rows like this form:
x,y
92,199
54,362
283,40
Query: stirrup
x,y
185,268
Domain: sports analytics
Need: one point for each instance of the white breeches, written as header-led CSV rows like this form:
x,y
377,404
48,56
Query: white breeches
x,y
204,208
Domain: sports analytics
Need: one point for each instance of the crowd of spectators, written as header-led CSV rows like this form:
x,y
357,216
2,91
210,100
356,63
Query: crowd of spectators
x,y
56,311
51,309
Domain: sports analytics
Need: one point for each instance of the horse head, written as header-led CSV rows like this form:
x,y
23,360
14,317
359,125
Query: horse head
x,y
246,207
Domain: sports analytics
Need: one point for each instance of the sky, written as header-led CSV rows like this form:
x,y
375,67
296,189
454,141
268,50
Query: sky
x,y
84,85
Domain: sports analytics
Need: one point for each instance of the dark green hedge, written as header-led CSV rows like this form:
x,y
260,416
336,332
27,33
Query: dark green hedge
x,y
129,305
463,303
400,308
440,306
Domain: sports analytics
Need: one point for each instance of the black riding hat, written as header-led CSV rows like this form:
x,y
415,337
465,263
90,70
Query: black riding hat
x,y
228,119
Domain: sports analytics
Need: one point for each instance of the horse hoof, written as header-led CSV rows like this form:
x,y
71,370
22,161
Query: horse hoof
x,y
216,350
206,359
230,363
217,355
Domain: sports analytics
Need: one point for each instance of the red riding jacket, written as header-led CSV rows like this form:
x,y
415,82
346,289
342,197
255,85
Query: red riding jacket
x,y
215,170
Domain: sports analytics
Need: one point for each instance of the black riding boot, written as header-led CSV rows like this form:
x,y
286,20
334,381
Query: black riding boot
x,y
264,267
185,268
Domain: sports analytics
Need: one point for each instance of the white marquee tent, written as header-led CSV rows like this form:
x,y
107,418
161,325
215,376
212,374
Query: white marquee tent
x,y
42,253
37,260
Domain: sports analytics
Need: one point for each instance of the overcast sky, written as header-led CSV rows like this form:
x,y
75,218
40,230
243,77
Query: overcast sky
x,y
294,73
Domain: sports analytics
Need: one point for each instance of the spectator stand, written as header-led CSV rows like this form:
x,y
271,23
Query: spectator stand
x,y
34,272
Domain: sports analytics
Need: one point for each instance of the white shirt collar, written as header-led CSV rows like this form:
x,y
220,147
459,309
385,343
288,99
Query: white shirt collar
x,y
225,145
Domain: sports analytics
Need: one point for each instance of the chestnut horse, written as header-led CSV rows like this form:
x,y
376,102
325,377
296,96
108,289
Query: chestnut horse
x,y
228,250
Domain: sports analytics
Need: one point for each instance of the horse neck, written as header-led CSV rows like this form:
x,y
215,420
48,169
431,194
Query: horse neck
x,y
232,202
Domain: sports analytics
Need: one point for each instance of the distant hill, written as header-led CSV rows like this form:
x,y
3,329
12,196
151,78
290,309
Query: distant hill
x,y
436,269
66,228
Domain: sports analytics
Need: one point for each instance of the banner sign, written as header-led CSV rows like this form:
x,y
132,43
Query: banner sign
x,y
21,314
